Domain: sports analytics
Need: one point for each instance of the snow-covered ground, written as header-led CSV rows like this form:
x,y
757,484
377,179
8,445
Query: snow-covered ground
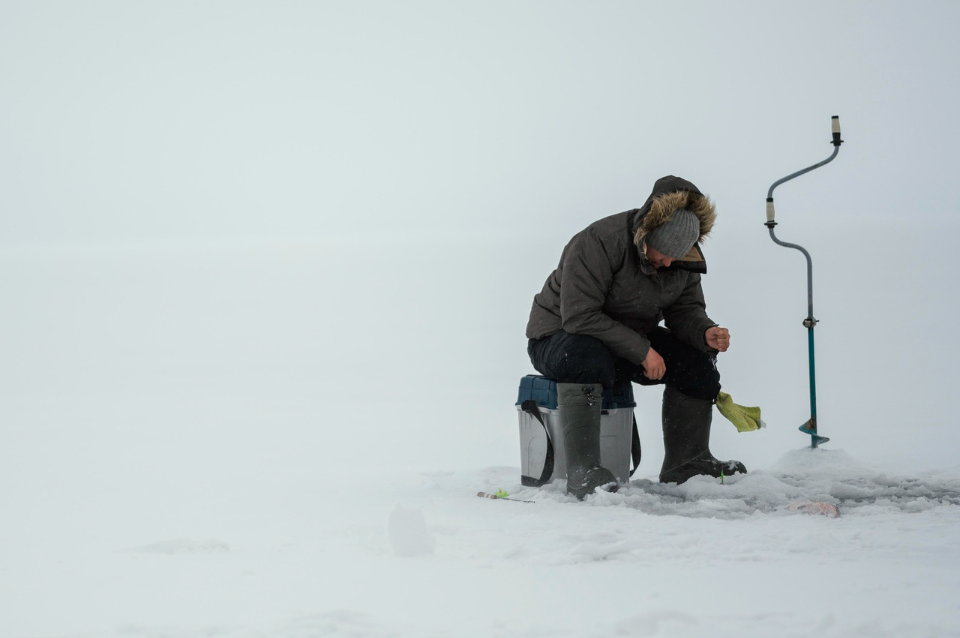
x,y
418,554
228,442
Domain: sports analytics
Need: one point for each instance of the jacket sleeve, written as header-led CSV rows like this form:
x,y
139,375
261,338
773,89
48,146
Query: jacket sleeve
x,y
687,317
586,278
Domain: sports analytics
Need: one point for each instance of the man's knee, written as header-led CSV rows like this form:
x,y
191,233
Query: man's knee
x,y
571,358
586,360
700,380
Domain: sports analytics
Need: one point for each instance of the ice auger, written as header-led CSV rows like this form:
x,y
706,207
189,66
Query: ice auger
x,y
810,427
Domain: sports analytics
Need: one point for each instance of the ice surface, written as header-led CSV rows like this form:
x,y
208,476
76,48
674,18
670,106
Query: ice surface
x,y
418,554
223,478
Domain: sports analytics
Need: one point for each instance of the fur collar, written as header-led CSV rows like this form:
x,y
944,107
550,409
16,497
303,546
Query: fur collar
x,y
662,208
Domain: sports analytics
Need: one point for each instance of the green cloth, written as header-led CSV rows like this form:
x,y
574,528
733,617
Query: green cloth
x,y
743,418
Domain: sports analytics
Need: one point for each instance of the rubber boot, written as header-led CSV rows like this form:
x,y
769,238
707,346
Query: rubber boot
x,y
686,440
579,406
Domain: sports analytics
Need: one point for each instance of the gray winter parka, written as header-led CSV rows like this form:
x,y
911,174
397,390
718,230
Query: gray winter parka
x,y
604,286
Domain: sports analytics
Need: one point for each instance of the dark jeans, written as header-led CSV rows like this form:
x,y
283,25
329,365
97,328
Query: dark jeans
x,y
570,358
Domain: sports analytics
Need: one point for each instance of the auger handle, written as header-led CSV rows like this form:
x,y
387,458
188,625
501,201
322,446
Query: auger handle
x,y
836,141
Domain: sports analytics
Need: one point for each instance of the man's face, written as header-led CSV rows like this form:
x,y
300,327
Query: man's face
x,y
657,258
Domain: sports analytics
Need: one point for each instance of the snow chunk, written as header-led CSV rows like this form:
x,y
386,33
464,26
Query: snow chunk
x,y
408,532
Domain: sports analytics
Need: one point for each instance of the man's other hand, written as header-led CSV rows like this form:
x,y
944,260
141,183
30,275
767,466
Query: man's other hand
x,y
653,366
717,338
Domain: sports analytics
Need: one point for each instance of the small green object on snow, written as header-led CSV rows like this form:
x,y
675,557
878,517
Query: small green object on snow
x,y
743,418
501,496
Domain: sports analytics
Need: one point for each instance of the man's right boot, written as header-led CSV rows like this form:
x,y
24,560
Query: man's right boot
x,y
579,406
686,440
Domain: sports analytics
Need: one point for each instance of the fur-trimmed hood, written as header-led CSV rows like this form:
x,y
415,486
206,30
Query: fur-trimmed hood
x,y
669,194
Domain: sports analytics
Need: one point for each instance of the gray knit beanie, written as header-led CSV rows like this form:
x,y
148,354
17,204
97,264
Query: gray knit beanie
x,y
675,237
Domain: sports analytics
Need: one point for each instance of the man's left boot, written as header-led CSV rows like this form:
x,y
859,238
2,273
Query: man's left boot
x,y
686,440
579,407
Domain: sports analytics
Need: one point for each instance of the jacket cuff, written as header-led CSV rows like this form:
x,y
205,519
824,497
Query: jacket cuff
x,y
703,338
638,353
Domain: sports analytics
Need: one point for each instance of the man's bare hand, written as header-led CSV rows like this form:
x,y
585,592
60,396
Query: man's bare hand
x,y
718,338
653,366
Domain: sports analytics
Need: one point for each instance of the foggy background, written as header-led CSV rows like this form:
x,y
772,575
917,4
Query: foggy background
x,y
247,247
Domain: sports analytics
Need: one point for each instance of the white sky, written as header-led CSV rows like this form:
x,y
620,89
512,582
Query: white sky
x,y
141,121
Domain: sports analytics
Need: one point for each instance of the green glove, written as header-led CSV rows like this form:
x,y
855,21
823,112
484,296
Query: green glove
x,y
744,419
